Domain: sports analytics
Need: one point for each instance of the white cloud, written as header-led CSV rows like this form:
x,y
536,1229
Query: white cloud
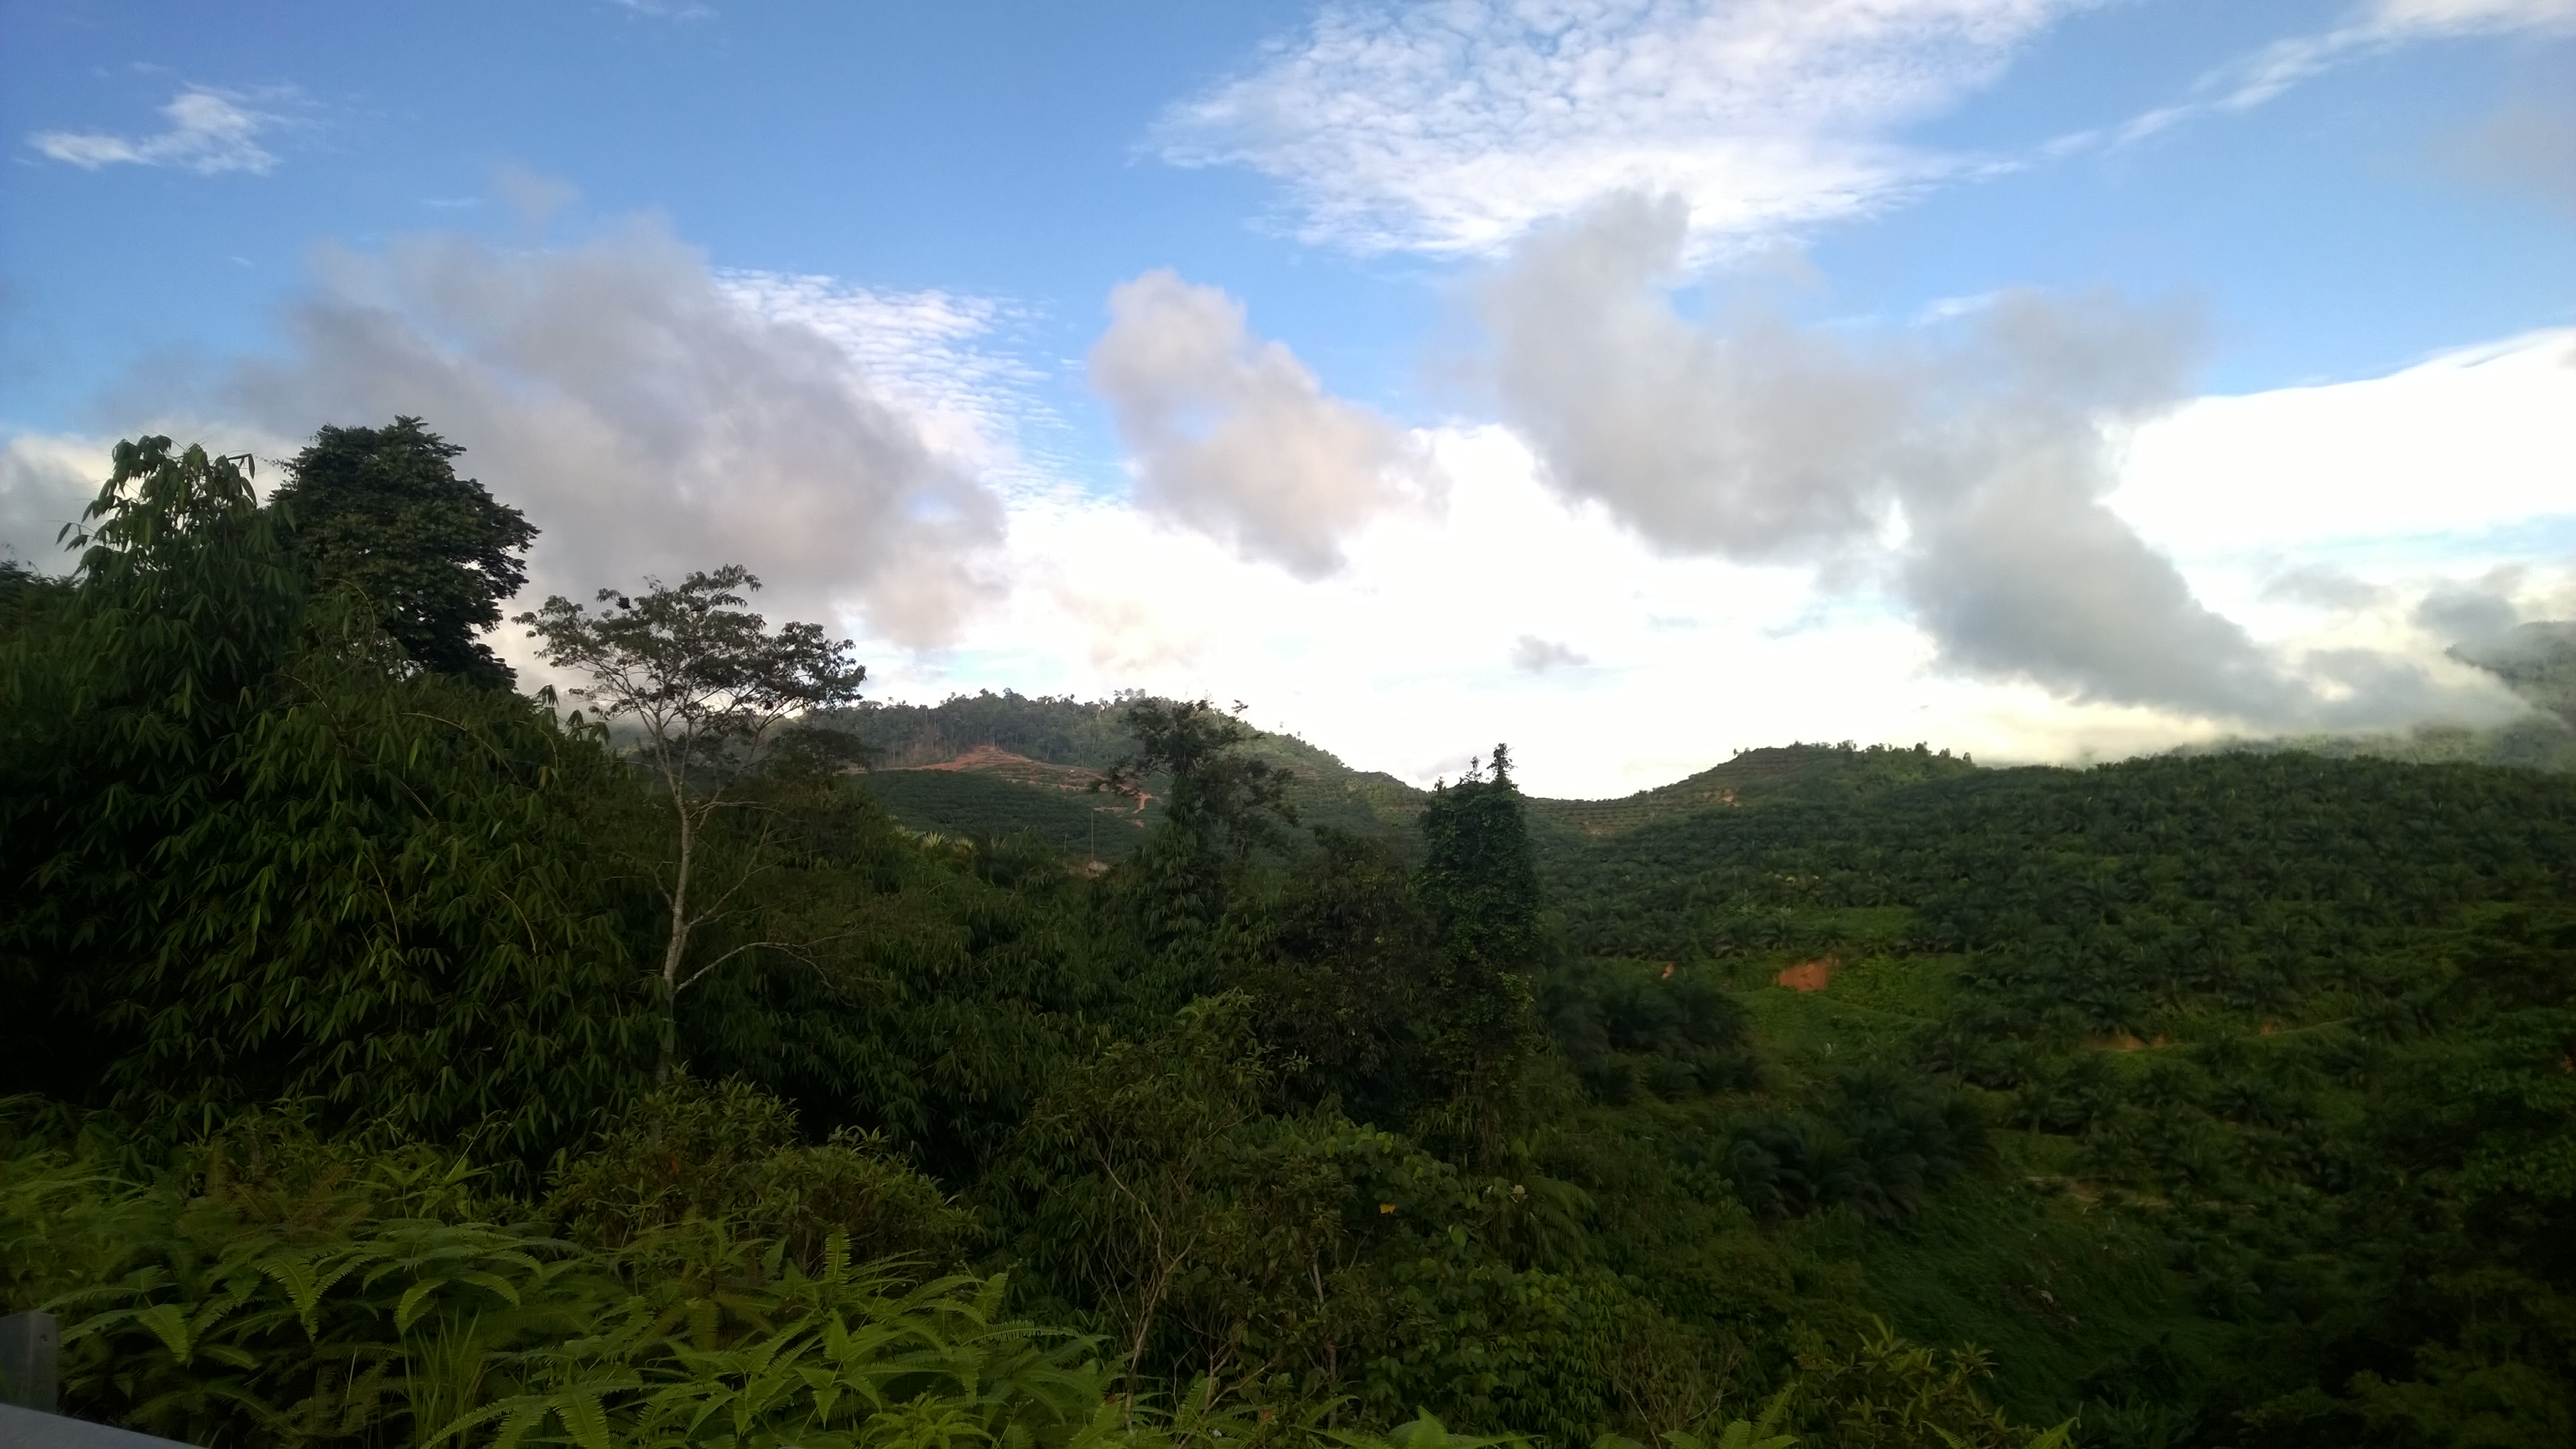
x,y
1966,478
647,419
1767,445
45,482
649,416
2370,29
2378,26
210,132
47,479
1411,657
1972,480
2330,515
2459,16
1443,633
653,416
1416,654
669,9
1234,437
1453,127
2433,456
934,353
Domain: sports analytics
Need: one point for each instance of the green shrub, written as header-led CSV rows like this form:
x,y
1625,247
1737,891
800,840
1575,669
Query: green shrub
x,y
728,1152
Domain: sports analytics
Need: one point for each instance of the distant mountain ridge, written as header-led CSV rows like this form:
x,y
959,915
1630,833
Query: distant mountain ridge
x,y
991,762
1761,777
999,762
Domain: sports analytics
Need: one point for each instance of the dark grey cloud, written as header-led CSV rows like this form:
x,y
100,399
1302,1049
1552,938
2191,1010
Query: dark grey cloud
x,y
1234,437
534,198
646,420
2023,576
2473,618
1968,476
2015,565
2527,145
1538,655
2485,625
1762,444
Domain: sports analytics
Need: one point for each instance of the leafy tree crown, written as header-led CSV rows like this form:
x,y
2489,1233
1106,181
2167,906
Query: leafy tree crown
x,y
381,511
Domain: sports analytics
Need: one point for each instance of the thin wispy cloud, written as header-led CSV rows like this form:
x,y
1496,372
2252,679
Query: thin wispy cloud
x,y
668,9
1453,128
2373,29
210,132
2384,24
949,359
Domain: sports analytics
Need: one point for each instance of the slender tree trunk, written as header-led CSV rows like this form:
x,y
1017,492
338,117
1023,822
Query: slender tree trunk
x,y
678,949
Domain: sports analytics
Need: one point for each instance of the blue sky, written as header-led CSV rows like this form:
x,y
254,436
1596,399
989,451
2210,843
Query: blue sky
x,y
1868,356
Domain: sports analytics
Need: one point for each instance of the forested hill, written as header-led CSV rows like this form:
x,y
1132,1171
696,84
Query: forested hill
x,y
2294,1031
2270,1049
977,790
962,766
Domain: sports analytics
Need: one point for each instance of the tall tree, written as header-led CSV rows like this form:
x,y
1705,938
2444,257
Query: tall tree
x,y
1220,807
185,601
248,852
1479,875
381,511
1479,881
717,693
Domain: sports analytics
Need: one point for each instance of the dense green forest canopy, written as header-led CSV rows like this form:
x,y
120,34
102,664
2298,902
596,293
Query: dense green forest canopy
x,y
1855,1097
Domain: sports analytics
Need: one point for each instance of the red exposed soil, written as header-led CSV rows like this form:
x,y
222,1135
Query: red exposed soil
x,y
1021,769
1807,975
988,758
993,760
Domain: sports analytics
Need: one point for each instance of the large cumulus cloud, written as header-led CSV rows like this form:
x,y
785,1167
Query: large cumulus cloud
x,y
1234,437
1967,478
645,416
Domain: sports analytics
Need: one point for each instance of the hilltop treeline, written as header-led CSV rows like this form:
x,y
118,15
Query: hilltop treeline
x,y
357,1097
1060,729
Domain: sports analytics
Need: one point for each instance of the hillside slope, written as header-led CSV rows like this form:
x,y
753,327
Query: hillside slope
x,y
1770,776
1002,762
